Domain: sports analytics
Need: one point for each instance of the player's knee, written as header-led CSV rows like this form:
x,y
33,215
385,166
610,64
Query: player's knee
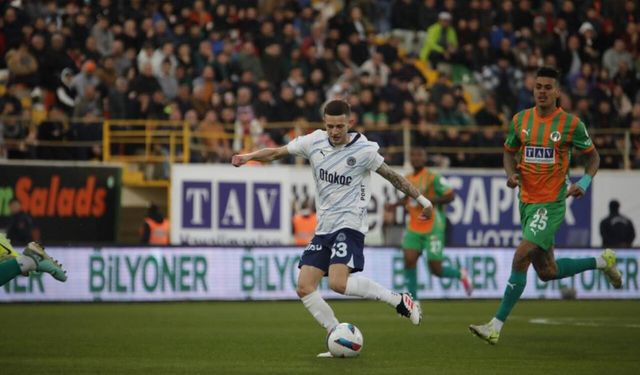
x,y
338,285
521,261
546,275
304,290
436,270
410,263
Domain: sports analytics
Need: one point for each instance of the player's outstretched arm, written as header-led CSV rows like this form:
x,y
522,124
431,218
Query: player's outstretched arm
x,y
402,184
265,154
578,189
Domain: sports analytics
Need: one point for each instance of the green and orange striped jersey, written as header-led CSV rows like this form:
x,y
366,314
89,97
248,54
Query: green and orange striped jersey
x,y
431,185
544,145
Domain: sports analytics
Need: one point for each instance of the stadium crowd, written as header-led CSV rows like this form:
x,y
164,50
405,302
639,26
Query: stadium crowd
x,y
232,69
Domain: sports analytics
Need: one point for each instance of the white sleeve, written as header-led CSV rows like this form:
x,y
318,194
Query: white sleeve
x,y
374,160
301,146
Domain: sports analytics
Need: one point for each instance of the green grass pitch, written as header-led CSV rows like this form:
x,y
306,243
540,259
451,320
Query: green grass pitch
x,y
577,337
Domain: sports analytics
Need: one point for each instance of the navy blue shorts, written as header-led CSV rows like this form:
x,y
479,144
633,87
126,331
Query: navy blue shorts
x,y
344,246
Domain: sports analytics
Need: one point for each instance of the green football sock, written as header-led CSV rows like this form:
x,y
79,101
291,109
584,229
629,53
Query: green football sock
x,y
411,281
450,273
9,269
569,267
512,293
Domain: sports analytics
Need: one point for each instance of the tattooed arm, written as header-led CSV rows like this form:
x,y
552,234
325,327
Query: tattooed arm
x,y
401,183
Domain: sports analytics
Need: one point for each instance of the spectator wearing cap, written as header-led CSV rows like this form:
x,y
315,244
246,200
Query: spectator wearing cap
x,y
65,93
441,41
86,77
589,43
323,64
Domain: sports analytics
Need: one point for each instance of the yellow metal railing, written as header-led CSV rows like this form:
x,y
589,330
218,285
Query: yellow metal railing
x,y
146,144
142,143
174,135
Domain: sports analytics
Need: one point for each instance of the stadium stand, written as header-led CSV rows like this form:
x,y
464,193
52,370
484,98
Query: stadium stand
x,y
447,75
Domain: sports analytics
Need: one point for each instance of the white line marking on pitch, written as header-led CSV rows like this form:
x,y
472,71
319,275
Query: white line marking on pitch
x,y
575,322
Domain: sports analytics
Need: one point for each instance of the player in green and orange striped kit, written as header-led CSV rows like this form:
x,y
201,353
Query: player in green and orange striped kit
x,y
543,138
427,235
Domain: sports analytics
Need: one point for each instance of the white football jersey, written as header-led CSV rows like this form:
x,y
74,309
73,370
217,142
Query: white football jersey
x,y
342,176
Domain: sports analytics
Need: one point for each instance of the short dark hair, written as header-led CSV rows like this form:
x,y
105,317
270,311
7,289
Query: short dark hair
x,y
547,71
614,205
337,107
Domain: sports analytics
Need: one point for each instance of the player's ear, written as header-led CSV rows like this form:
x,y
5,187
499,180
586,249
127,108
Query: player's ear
x,y
352,121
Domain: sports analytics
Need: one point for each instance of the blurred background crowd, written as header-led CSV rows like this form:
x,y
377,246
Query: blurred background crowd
x,y
243,71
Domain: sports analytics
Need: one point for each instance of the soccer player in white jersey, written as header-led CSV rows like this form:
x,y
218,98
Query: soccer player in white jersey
x,y
342,162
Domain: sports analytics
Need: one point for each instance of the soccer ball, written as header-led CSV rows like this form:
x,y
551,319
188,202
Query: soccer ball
x,y
345,340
